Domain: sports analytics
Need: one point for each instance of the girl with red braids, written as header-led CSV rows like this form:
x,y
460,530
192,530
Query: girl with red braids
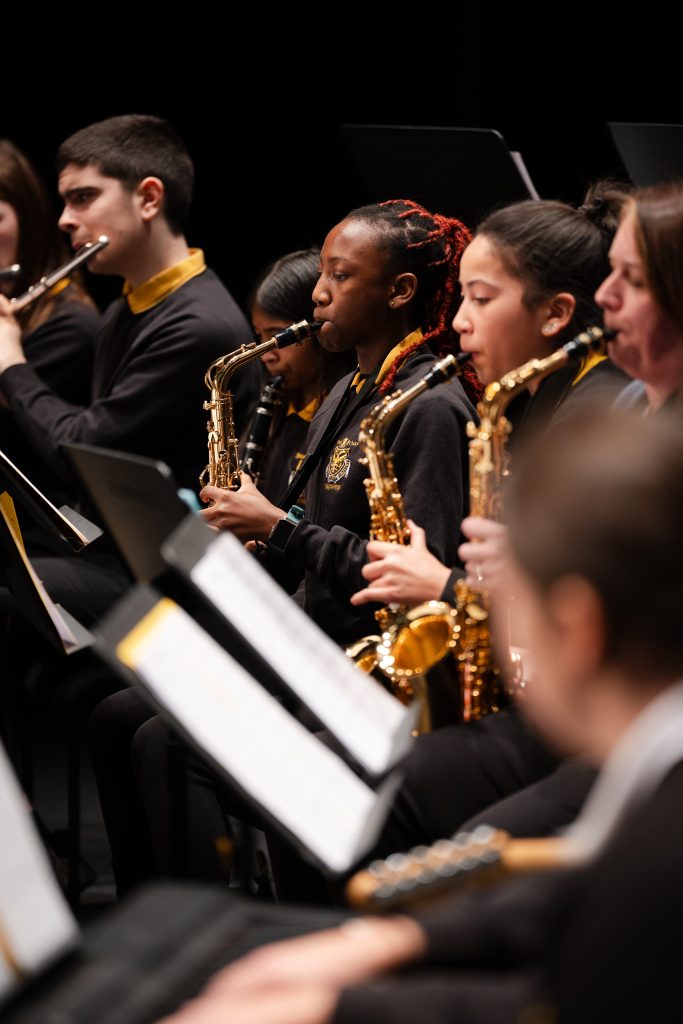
x,y
388,289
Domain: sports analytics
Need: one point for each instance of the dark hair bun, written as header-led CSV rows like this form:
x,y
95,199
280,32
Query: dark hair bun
x,y
603,203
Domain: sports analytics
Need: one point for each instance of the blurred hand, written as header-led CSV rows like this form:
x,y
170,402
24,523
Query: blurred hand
x,y
298,981
297,1005
485,554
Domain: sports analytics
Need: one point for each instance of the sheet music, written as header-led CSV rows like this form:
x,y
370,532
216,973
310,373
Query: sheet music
x,y
36,925
66,635
269,753
371,724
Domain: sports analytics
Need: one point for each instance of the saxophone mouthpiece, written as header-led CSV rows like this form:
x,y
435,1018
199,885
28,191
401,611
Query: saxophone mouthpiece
x,y
297,333
446,368
592,339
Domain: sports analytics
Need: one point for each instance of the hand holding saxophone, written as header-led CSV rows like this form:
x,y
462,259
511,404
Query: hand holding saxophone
x,y
484,555
246,511
407,574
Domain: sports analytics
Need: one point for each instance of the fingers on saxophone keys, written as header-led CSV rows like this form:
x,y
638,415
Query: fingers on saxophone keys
x,y
370,595
372,570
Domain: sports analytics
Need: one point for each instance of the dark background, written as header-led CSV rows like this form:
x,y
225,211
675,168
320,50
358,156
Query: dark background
x,y
261,108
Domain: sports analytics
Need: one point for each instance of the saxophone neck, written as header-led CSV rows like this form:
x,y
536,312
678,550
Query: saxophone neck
x,y
219,372
373,427
499,393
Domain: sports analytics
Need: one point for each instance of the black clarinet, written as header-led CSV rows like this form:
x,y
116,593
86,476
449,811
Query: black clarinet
x,y
269,399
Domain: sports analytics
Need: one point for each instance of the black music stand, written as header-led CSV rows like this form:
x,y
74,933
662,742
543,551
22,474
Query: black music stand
x,y
137,499
54,623
64,522
651,153
462,172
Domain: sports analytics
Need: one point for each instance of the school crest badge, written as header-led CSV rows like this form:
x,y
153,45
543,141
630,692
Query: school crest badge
x,y
339,463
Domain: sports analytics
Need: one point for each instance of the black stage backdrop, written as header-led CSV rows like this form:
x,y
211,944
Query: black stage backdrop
x,y
261,109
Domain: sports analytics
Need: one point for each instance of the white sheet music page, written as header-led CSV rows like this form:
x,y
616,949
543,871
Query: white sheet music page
x,y
369,722
36,925
265,750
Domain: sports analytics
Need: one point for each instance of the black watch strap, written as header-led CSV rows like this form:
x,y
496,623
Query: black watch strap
x,y
284,528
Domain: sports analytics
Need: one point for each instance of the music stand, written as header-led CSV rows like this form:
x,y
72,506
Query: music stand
x,y
137,499
651,153
64,522
53,622
461,172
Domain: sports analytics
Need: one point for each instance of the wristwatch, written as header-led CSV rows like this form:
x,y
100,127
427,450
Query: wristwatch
x,y
284,528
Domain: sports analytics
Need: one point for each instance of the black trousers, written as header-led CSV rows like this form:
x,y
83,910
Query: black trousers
x,y
161,804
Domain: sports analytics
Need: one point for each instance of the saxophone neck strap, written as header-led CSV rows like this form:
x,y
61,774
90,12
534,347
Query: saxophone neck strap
x,y
349,402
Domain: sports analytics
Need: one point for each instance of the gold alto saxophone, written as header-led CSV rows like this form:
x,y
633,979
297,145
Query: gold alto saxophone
x,y
223,468
38,289
412,640
482,683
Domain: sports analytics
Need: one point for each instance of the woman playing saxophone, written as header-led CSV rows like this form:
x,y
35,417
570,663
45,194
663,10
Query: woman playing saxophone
x,y
385,291
306,372
528,282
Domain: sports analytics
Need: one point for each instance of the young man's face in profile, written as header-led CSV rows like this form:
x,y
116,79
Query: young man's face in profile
x,y
95,205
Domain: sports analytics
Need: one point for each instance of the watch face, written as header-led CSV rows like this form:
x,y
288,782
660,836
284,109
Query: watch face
x,y
281,532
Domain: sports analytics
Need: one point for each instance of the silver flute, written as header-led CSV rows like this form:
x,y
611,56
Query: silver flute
x,y
10,271
49,280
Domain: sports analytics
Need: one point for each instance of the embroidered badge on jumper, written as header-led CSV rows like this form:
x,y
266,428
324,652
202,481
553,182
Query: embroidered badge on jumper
x,y
339,464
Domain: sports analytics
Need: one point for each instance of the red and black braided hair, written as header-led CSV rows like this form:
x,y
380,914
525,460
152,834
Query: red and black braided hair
x,y
428,245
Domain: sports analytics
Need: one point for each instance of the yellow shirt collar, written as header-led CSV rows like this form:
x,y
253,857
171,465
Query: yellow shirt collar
x,y
396,351
307,413
154,291
59,287
587,364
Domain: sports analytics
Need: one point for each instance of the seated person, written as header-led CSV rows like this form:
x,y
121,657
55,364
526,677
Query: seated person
x,y
305,373
58,329
130,178
595,940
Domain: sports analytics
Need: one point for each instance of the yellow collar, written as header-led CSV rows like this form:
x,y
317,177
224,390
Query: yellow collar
x,y
587,364
59,287
307,413
396,351
159,287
